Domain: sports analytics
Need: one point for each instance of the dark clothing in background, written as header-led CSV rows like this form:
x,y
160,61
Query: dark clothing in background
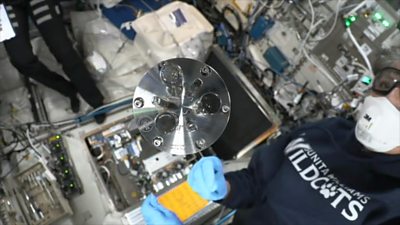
x,y
318,174
46,15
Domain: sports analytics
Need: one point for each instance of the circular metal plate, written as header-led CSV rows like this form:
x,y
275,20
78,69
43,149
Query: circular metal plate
x,y
181,106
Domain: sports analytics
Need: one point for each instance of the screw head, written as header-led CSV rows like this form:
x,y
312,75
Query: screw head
x,y
138,102
205,70
158,141
225,108
201,143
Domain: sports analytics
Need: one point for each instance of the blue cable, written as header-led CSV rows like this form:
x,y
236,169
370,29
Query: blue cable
x,y
225,218
107,109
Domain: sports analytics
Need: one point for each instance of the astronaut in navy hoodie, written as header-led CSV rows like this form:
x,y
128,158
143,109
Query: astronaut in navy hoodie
x,y
331,172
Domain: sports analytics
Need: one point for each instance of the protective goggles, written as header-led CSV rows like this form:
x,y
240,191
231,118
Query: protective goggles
x,y
386,80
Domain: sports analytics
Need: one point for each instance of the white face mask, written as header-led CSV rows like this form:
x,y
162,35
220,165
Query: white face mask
x,y
378,124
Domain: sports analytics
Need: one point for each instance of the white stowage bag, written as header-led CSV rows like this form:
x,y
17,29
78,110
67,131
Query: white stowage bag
x,y
15,107
115,62
9,74
175,30
105,3
110,3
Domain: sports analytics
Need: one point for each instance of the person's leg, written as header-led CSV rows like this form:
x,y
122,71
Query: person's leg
x,y
47,17
20,53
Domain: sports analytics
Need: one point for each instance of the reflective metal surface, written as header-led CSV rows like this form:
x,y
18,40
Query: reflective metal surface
x,y
181,106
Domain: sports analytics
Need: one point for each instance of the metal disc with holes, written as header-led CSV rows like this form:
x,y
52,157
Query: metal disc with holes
x,y
181,106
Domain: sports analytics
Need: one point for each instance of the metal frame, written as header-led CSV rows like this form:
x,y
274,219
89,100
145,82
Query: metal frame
x,y
257,98
265,108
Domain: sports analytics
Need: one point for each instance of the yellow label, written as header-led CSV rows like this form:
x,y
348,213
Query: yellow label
x,y
183,201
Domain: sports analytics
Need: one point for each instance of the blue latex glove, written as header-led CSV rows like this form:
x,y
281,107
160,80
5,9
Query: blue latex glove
x,y
156,214
207,178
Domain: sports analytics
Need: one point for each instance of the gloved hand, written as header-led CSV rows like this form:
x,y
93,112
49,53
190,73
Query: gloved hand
x,y
207,178
156,214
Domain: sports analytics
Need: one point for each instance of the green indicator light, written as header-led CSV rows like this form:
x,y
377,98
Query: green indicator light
x,y
57,145
58,136
353,18
347,23
385,23
66,171
378,16
366,80
62,158
71,185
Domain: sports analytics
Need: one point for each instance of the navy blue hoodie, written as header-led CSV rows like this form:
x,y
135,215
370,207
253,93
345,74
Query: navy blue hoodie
x,y
318,174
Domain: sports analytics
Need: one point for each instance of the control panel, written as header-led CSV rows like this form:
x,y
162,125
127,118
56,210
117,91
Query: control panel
x,y
62,167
